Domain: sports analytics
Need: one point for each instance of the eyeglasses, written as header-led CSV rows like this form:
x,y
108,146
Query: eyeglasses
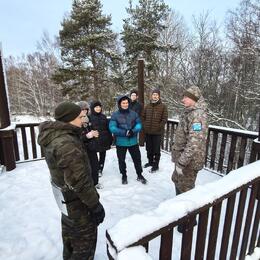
x,y
85,109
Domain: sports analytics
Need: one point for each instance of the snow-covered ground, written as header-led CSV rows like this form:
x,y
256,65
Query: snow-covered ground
x,y
30,220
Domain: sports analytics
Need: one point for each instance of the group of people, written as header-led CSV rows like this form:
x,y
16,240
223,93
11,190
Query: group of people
x,y
75,146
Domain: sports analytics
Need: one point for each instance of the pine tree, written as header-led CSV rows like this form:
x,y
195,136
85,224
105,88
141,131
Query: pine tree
x,y
140,35
87,54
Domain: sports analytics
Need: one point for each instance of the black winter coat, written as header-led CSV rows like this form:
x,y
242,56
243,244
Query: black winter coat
x,y
98,121
136,106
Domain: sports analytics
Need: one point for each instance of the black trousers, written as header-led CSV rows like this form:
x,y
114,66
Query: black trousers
x,y
101,161
93,159
152,145
136,157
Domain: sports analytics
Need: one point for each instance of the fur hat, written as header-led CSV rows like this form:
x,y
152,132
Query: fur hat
x,y
83,104
156,90
193,92
66,111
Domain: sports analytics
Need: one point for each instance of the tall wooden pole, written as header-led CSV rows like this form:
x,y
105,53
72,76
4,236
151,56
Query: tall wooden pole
x,y
4,110
7,156
141,93
141,81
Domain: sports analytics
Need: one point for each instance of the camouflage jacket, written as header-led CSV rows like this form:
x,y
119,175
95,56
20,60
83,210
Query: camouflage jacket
x,y
68,164
189,147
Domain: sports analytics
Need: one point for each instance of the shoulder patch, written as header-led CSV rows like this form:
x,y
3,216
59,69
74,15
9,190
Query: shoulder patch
x,y
196,126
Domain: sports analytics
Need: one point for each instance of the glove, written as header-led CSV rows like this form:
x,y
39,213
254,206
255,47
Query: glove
x,y
98,213
130,133
178,170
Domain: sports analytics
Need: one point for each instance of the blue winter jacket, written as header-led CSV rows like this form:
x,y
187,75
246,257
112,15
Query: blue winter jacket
x,y
121,121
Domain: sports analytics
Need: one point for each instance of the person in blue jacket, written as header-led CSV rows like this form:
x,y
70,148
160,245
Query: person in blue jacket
x,y
125,124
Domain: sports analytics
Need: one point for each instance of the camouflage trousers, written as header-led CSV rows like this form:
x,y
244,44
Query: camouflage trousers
x,y
186,181
79,238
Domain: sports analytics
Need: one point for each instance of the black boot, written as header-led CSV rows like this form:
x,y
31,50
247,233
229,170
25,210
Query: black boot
x,y
142,179
155,167
148,165
100,170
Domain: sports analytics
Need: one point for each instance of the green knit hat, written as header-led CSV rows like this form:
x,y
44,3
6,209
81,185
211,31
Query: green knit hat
x,y
66,111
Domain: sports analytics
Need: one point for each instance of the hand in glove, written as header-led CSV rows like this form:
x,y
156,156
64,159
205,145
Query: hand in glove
x,y
130,133
178,169
98,213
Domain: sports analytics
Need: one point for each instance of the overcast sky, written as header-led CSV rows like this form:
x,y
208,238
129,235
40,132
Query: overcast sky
x,y
22,22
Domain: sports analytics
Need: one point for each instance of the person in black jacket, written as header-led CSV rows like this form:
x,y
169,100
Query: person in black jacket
x,y
135,105
89,136
98,121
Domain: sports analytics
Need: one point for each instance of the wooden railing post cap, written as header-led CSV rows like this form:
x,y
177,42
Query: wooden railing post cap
x,y
8,131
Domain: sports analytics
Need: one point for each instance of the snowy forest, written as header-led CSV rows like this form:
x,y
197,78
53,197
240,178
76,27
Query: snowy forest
x,y
88,60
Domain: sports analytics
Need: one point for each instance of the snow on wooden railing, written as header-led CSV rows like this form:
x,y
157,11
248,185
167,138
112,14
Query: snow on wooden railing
x,y
228,213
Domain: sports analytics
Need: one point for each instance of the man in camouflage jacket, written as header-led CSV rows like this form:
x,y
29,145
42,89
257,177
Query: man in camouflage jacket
x,y
189,148
71,181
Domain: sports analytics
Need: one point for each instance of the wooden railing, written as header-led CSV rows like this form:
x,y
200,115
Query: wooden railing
x,y
25,142
227,149
228,228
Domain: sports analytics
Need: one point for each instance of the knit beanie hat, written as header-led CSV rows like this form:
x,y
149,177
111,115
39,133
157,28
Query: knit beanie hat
x,y
156,90
66,111
193,93
95,104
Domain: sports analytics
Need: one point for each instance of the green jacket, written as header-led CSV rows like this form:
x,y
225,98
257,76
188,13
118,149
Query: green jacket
x,y
189,148
68,164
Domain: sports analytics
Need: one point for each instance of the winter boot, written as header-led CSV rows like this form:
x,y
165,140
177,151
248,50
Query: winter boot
x,y
124,179
154,169
99,186
100,171
148,165
142,179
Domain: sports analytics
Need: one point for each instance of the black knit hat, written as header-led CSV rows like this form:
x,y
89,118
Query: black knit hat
x,y
66,111
95,104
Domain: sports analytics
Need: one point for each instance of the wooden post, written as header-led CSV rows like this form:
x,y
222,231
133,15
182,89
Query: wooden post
x,y
4,111
7,157
141,81
141,93
255,151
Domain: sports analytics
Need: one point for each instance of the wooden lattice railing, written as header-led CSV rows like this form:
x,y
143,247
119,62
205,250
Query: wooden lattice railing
x,y
227,149
233,219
